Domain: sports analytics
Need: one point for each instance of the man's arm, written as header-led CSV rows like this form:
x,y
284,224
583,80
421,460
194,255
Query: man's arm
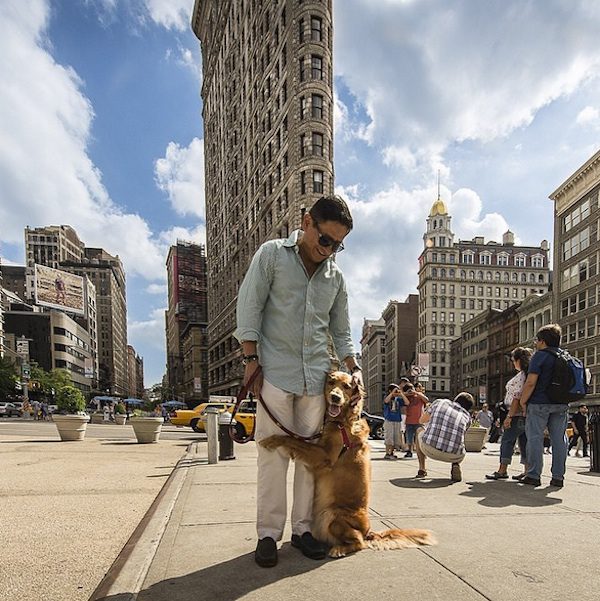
x,y
528,389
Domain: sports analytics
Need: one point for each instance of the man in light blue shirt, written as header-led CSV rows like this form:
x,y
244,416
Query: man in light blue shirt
x,y
292,299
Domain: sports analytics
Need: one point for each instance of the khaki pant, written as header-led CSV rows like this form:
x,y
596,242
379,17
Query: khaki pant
x,y
436,454
304,416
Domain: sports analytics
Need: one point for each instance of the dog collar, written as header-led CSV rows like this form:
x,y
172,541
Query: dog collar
x,y
345,438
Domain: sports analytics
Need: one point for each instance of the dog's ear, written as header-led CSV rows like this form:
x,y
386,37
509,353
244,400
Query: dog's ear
x,y
358,394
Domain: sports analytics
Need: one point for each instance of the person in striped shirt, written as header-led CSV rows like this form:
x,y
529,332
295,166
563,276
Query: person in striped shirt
x,y
443,436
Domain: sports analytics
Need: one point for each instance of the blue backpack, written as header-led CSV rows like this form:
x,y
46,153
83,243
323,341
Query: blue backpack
x,y
568,382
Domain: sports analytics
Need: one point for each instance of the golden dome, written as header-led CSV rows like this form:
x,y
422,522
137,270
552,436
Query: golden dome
x,y
438,208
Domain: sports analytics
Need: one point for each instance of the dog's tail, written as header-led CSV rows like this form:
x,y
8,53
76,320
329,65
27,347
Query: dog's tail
x,y
399,539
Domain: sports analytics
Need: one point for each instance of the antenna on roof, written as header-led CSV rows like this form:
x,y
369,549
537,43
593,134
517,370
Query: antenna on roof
x,y
438,184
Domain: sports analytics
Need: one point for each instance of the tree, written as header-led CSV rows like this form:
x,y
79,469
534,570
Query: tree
x,y
52,381
8,377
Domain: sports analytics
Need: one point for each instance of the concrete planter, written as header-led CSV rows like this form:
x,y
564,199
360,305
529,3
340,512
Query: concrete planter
x,y
97,418
147,429
120,419
474,438
71,427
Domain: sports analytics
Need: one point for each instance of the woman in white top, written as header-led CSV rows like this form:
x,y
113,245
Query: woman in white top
x,y
514,424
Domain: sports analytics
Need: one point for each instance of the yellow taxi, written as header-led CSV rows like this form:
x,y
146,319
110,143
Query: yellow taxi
x,y
196,417
245,417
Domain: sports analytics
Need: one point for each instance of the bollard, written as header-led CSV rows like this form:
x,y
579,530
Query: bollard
x,y
225,442
212,429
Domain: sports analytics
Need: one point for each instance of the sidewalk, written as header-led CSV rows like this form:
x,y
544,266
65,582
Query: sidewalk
x,y
498,541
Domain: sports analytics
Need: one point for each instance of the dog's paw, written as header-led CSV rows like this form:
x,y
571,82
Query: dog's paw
x,y
272,442
337,552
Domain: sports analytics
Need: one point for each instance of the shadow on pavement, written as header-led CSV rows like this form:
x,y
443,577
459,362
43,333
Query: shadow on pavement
x,y
226,581
504,494
36,441
427,482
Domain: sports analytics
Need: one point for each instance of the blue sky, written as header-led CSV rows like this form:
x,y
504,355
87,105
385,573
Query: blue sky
x,y
100,121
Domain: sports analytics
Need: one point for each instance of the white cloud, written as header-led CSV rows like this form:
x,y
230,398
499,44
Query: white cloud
x,y
438,73
50,120
172,14
588,116
148,332
181,175
157,289
381,260
196,234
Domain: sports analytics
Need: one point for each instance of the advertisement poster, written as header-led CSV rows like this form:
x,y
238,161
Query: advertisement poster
x,y
59,289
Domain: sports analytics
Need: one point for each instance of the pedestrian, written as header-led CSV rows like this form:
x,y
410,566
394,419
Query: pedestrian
x,y
443,436
415,403
106,412
514,422
392,425
292,302
486,419
44,410
35,405
580,425
542,413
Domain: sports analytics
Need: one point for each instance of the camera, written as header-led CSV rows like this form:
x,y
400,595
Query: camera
x,y
407,388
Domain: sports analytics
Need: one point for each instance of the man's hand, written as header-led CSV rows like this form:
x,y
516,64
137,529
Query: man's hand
x,y
256,386
507,422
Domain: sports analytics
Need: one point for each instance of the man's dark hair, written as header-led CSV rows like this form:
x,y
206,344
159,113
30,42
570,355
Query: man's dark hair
x,y
332,208
392,386
465,400
550,334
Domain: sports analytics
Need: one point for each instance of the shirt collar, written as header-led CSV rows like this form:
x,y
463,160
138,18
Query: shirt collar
x,y
293,238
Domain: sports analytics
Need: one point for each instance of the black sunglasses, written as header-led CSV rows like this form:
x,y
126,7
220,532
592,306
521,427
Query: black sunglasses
x,y
326,241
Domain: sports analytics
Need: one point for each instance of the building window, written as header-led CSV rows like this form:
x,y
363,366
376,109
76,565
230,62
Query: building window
x,y
303,182
302,145
485,259
316,66
520,261
317,144
467,257
317,106
301,64
576,216
503,259
317,182
537,261
302,107
316,29
301,30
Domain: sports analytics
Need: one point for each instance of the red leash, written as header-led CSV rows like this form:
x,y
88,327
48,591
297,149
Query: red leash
x,y
242,395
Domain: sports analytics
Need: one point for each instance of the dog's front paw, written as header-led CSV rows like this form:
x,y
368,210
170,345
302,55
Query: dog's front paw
x,y
337,552
272,442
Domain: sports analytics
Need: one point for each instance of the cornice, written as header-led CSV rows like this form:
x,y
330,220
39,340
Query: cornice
x,y
578,184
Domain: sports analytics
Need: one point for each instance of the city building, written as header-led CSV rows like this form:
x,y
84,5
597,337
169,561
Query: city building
x,y
576,246
267,93
400,336
458,280
135,373
105,272
186,322
55,342
534,312
373,363
2,347
51,245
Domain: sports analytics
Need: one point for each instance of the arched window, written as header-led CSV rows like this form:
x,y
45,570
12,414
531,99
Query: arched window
x,y
442,273
497,276
541,278
471,275
524,278
434,272
488,275
480,275
463,274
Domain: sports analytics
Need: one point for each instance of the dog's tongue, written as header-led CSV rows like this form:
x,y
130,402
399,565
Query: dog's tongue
x,y
334,410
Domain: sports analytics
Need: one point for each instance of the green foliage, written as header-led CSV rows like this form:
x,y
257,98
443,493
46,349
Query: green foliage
x,y
8,377
120,409
70,400
56,379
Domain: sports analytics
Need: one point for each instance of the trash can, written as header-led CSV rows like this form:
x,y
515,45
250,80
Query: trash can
x,y
594,429
225,442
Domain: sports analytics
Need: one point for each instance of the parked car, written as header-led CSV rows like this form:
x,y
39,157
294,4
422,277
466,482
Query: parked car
x,y
375,425
245,418
193,417
9,410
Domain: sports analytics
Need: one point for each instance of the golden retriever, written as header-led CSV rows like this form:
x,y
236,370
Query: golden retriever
x,y
340,462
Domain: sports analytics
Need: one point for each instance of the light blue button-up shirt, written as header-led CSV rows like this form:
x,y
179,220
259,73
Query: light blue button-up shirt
x,y
289,315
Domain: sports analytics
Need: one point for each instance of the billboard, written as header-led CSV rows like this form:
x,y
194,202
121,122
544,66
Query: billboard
x,y
59,289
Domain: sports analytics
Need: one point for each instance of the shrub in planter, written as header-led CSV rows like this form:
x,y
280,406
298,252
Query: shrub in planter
x,y
70,400
120,409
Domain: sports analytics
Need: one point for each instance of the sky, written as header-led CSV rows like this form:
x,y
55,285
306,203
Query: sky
x,y
101,129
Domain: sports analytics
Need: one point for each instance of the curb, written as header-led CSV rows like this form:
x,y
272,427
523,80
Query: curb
x,y
126,575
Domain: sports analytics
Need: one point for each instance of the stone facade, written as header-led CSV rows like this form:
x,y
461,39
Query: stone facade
x,y
576,258
268,133
373,363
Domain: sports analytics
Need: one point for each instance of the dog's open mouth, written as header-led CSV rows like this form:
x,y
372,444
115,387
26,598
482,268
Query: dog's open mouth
x,y
334,410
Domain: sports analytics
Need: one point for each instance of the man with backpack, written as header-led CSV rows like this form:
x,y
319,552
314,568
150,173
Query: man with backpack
x,y
554,379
